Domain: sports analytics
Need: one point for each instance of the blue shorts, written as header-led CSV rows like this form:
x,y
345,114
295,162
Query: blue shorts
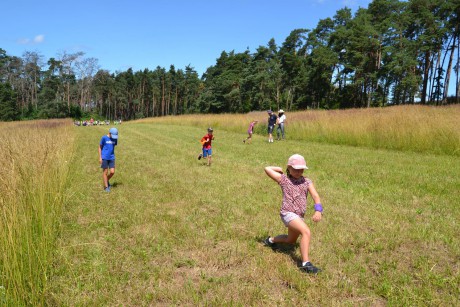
x,y
207,152
270,129
108,164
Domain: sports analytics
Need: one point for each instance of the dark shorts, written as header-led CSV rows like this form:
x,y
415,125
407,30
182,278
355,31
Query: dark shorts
x,y
270,129
108,164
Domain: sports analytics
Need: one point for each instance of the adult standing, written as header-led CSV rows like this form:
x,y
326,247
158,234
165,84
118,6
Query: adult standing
x,y
272,118
281,122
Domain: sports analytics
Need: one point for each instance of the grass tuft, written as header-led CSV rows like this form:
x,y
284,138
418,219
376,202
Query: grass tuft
x,y
33,169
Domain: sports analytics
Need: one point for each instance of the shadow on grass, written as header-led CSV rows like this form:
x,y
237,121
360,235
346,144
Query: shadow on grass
x,y
115,184
288,249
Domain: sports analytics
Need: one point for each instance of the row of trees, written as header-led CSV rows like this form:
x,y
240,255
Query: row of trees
x,y
393,52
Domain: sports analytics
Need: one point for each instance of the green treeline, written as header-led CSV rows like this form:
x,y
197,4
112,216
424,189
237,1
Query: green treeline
x,y
392,53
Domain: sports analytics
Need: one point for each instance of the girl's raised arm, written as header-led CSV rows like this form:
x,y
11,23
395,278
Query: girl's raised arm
x,y
274,172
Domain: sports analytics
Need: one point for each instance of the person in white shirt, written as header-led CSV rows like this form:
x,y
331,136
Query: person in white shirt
x,y
281,122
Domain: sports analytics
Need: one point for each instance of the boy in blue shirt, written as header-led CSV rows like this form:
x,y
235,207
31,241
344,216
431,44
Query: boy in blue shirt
x,y
107,156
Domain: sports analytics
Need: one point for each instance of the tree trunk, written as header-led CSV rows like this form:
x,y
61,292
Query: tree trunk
x,y
457,92
175,101
68,96
449,69
163,90
153,102
426,70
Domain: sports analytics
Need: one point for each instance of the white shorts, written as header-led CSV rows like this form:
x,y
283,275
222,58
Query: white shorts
x,y
289,216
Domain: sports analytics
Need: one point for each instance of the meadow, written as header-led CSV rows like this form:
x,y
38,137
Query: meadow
x,y
422,129
176,232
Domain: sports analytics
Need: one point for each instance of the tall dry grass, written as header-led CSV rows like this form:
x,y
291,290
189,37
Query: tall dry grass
x,y
33,170
405,128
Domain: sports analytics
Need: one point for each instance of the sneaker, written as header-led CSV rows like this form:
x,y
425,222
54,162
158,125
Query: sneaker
x,y
107,189
244,141
109,185
199,156
310,268
268,243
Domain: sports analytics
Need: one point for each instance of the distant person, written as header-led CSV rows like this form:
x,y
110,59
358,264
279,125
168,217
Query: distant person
x,y
272,118
250,131
207,148
281,122
295,189
107,156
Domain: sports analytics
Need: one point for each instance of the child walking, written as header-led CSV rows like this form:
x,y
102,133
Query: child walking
x,y
207,149
107,156
250,130
295,188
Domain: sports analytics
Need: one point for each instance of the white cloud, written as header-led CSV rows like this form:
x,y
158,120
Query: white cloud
x,y
39,38
36,40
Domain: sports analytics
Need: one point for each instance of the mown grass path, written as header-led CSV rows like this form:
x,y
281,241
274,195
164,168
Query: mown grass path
x,y
174,231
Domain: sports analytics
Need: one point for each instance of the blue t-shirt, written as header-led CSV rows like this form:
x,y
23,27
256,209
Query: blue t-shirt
x,y
272,120
108,148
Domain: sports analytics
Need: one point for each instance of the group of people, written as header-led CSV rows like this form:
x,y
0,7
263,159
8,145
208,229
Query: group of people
x,y
273,120
294,186
93,122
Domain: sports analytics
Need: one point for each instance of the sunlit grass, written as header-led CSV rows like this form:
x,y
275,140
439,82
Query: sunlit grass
x,y
406,128
176,232
33,169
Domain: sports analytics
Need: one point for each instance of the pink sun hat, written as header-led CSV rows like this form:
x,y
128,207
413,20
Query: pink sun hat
x,y
297,162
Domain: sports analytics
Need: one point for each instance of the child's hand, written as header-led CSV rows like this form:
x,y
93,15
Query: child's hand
x,y
317,216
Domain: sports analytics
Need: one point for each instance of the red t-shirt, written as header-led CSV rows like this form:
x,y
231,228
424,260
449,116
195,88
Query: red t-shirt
x,y
206,140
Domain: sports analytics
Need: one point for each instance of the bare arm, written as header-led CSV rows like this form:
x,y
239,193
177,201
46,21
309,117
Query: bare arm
x,y
317,215
274,172
100,154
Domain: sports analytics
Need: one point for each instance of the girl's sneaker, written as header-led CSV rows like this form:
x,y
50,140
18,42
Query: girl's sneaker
x,y
310,268
107,189
268,243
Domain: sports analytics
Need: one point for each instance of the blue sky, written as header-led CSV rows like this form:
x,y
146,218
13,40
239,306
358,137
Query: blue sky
x,y
146,34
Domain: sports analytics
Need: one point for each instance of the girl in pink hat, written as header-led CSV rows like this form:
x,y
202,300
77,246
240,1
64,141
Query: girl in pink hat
x,y
295,189
250,131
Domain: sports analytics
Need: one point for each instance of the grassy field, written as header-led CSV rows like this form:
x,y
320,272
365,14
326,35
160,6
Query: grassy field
x,y
176,232
421,129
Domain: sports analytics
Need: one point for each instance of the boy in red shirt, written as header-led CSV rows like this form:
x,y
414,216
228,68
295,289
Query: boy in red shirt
x,y
206,142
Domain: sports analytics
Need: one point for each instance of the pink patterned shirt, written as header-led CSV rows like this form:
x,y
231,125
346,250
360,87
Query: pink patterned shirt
x,y
294,195
251,127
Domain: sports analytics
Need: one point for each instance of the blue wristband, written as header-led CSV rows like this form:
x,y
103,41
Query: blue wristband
x,y
318,207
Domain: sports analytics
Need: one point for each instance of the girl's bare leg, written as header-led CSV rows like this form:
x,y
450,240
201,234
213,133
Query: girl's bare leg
x,y
296,228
